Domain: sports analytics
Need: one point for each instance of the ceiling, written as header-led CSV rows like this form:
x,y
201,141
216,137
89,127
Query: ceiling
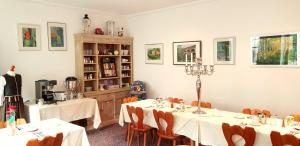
x,y
124,7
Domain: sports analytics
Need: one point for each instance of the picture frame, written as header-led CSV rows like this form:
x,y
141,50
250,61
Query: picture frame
x,y
280,50
154,53
224,51
29,37
179,48
57,36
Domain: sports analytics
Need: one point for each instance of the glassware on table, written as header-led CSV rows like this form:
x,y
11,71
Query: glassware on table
x,y
288,120
159,103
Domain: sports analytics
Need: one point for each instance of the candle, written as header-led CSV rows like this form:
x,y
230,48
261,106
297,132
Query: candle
x,y
186,59
191,58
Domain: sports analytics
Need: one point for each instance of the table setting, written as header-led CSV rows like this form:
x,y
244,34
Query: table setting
x,y
206,128
73,135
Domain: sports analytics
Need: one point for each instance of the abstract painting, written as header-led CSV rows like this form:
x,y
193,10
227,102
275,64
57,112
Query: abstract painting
x,y
29,37
275,50
57,36
154,53
224,49
183,52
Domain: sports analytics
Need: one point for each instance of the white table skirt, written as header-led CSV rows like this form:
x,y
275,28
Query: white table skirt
x,y
205,129
73,135
68,111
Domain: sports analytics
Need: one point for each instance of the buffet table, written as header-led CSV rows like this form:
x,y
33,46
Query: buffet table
x,y
73,135
207,128
68,111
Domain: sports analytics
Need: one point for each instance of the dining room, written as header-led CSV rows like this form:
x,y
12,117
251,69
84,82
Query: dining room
x,y
151,73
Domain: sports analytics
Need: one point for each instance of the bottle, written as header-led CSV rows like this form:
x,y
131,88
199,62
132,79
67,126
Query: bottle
x,y
11,122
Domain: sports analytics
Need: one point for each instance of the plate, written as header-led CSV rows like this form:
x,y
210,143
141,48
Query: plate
x,y
255,124
239,117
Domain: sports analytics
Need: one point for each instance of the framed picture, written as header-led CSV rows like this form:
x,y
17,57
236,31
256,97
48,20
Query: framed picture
x,y
224,50
183,52
29,37
154,53
57,39
276,50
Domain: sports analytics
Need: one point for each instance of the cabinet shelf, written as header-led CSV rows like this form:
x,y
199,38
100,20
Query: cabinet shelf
x,y
125,55
126,69
109,78
89,63
108,55
126,62
89,71
126,76
89,55
88,80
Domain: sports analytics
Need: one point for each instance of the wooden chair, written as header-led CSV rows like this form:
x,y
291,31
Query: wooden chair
x,y
281,140
247,133
166,133
256,111
296,117
138,126
128,100
2,124
47,141
202,104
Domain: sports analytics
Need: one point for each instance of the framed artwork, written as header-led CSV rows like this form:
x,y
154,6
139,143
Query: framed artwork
x,y
29,37
57,39
154,53
278,50
224,50
184,52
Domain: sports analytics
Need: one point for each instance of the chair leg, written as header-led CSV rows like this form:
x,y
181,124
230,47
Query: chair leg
x,y
145,138
128,132
158,141
174,142
191,142
131,137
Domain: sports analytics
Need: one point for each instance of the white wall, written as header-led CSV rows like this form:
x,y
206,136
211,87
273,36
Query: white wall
x,y
232,87
44,64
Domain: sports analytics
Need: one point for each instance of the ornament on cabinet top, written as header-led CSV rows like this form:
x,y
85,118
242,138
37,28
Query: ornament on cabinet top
x,y
86,23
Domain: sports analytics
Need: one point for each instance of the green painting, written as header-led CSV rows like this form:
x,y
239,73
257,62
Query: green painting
x,y
29,37
275,50
153,54
57,36
223,51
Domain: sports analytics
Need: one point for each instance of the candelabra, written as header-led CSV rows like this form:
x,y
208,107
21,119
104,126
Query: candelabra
x,y
198,69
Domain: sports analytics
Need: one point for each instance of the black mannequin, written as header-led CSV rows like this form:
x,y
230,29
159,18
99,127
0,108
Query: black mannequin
x,y
10,92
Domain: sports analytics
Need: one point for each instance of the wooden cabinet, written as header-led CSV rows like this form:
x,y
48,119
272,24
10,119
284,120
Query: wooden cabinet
x,y
104,67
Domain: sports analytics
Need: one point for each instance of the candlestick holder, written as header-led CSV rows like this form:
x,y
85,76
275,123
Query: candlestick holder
x,y
198,70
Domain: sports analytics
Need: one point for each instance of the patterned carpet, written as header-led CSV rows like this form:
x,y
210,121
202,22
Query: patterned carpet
x,y
112,136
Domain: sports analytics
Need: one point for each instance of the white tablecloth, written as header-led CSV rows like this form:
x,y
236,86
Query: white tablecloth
x,y
73,135
68,111
205,129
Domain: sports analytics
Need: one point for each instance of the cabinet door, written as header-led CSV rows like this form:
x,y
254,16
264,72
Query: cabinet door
x,y
118,103
106,110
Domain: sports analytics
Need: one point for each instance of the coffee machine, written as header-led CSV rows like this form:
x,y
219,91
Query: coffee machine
x,y
43,90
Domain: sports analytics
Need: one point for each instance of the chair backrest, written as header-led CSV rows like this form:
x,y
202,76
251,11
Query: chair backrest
x,y
47,141
281,140
256,111
167,117
202,104
247,133
137,111
296,117
130,99
2,124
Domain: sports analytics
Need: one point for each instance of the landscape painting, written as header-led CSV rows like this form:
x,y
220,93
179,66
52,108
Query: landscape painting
x,y
154,53
275,50
183,52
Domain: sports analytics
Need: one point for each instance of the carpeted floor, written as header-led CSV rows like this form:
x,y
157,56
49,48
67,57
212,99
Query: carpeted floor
x,y
112,136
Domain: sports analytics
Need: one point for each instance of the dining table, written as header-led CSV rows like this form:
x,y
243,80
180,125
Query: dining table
x,y
206,128
73,135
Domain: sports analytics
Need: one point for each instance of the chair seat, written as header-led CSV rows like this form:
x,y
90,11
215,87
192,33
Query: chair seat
x,y
175,136
144,129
